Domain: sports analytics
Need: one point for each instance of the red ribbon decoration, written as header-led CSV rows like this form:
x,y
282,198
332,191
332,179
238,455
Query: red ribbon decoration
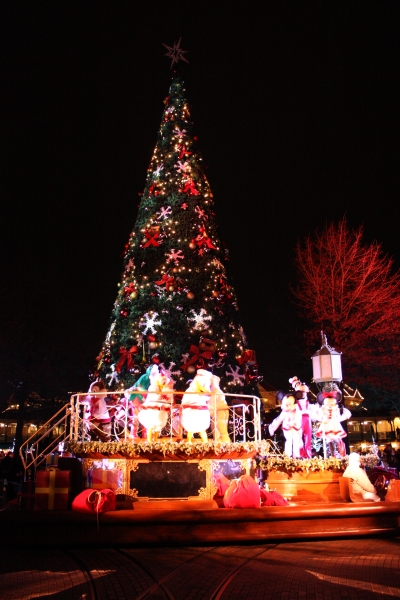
x,y
248,356
195,350
126,355
190,187
184,152
166,280
151,239
203,239
129,289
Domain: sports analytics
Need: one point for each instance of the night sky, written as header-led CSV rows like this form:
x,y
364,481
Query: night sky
x,y
295,105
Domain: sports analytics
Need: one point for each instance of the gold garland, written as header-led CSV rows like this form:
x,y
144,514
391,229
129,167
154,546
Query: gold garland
x,y
289,464
134,450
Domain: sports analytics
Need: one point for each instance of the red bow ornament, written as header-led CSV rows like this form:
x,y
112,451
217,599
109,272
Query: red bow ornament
x,y
190,187
166,280
152,238
126,356
203,239
196,355
129,289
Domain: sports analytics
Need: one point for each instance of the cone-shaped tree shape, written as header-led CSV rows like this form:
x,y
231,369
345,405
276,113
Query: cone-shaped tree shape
x,y
176,305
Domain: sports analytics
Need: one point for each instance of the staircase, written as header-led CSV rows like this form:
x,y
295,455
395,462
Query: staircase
x,y
46,439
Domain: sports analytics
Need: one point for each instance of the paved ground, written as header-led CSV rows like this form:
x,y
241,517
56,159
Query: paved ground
x,y
333,570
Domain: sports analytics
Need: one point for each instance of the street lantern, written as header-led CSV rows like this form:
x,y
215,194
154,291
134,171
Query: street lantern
x,y
327,364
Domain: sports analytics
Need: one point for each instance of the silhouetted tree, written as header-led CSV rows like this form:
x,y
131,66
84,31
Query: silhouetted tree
x,y
348,288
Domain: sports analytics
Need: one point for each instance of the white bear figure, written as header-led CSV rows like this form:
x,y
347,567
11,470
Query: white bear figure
x,y
290,419
360,487
219,412
155,409
195,405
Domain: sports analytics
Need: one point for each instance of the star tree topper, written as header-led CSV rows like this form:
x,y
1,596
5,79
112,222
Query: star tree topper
x,y
176,53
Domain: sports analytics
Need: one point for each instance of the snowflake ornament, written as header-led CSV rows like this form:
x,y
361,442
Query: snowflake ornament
x,y
164,213
113,376
185,358
199,320
168,370
181,133
219,364
129,265
242,335
158,171
183,167
201,213
175,256
237,378
149,323
217,264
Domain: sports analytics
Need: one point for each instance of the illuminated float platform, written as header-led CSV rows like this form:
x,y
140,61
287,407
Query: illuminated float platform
x,y
316,510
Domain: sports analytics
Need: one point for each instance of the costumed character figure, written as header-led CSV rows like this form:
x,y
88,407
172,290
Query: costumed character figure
x,y
307,414
136,395
330,414
219,412
154,411
290,421
97,412
360,487
195,405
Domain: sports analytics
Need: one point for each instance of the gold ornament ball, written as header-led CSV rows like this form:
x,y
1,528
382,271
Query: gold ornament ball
x,y
153,345
134,295
190,295
192,246
175,270
191,369
171,288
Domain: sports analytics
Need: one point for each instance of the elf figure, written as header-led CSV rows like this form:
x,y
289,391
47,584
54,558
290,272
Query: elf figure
x,y
154,411
290,421
195,405
136,395
97,412
219,412
330,414
307,415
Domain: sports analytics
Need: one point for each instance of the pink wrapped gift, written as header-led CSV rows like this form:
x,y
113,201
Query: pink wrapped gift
x,y
99,479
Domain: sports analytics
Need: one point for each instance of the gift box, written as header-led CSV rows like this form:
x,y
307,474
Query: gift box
x,y
99,479
52,460
52,490
74,465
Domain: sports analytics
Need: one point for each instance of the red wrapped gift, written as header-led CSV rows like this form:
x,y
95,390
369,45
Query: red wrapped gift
x,y
99,479
52,490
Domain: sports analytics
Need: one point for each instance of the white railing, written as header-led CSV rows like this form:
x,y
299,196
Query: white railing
x,y
241,420
46,439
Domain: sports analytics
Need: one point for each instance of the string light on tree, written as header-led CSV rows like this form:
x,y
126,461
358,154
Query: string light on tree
x,y
175,283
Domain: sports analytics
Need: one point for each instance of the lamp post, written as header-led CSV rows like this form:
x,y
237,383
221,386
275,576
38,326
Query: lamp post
x,y
327,371
327,366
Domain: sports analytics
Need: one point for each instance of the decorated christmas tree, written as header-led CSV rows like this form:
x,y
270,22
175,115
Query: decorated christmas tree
x,y
176,306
